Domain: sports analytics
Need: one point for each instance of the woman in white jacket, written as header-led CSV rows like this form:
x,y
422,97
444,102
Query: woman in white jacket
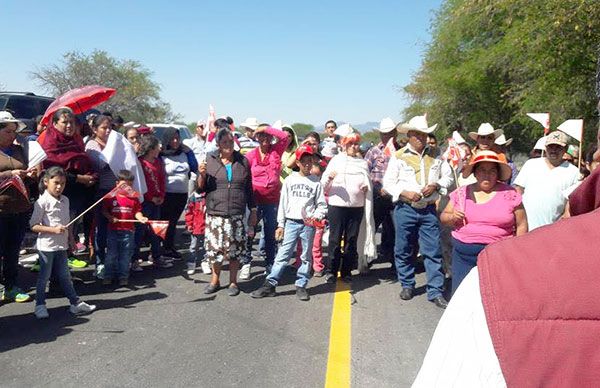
x,y
348,188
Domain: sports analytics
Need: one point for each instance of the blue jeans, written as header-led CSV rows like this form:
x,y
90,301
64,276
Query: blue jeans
x,y
152,211
423,224
121,244
464,259
294,230
268,215
54,263
197,250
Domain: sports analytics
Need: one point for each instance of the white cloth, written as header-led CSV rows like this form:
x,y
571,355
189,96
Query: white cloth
x,y
120,155
544,190
461,353
49,211
301,197
177,171
345,165
399,177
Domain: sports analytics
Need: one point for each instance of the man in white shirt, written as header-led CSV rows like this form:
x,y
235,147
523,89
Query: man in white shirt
x,y
543,182
415,179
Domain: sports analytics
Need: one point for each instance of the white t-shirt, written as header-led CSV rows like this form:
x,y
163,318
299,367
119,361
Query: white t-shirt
x,y
544,199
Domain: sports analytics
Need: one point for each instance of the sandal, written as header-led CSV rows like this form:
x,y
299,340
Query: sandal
x,y
212,288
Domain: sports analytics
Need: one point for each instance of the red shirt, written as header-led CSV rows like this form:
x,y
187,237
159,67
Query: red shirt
x,y
123,205
155,178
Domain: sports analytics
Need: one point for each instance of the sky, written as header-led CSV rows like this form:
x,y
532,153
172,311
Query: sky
x,y
298,61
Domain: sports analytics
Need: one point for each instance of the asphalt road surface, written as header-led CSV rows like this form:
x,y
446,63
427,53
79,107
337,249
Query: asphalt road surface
x,y
162,330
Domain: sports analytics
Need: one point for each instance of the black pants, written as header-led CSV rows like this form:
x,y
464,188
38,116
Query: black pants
x,y
382,213
171,211
12,231
344,223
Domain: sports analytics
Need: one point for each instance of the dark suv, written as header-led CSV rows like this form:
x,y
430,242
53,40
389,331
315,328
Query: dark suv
x,y
25,106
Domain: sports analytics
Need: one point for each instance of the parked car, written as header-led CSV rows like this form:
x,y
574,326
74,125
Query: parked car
x,y
159,130
25,106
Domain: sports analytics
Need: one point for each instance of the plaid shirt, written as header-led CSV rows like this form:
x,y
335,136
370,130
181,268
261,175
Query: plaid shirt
x,y
377,163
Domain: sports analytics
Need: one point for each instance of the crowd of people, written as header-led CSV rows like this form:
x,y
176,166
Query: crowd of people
x,y
307,194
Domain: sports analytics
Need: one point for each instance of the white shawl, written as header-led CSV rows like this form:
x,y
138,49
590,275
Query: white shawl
x,y
344,164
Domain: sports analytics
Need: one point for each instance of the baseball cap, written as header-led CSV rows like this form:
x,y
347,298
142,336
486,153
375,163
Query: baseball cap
x,y
557,137
303,150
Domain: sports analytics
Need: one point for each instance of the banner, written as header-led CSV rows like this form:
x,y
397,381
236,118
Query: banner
x,y
542,118
573,128
120,155
16,182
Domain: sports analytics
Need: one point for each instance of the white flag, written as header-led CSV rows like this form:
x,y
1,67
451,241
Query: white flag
x,y
36,154
120,155
542,118
573,128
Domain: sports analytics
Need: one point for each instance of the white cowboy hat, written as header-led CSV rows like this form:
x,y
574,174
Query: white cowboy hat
x,y
484,130
250,122
501,141
417,123
458,138
344,130
386,125
7,117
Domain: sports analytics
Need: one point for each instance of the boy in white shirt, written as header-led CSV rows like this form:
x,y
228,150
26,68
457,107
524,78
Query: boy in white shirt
x,y
301,206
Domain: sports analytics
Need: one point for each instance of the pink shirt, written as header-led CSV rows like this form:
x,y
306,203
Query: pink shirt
x,y
487,222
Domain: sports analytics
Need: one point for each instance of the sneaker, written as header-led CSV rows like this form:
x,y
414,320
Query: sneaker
x,y
123,282
191,269
162,263
79,248
302,294
245,272
135,266
205,267
41,312
100,271
82,308
318,274
15,295
330,278
172,253
266,289
35,267
76,263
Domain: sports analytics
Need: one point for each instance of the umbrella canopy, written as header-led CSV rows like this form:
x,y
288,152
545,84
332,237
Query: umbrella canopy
x,y
80,100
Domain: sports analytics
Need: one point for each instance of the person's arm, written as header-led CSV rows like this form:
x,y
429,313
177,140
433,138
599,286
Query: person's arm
x,y
36,222
521,220
141,217
394,182
283,199
291,162
251,202
519,189
452,217
283,139
446,178
192,162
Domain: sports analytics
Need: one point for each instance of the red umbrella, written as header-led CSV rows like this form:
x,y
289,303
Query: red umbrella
x,y
80,100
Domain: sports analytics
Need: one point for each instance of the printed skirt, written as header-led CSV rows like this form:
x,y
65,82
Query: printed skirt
x,y
225,237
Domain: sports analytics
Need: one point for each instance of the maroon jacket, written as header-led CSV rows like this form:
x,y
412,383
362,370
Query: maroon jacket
x,y
540,293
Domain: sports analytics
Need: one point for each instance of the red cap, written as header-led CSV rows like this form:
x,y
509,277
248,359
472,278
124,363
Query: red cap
x,y
303,150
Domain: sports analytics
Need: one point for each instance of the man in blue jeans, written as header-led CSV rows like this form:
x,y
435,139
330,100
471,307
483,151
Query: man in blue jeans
x,y
415,180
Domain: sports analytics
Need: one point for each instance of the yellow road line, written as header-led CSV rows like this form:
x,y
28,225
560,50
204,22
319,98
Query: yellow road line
x,y
338,361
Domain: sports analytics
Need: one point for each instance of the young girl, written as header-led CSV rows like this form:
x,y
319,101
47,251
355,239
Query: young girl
x,y
50,215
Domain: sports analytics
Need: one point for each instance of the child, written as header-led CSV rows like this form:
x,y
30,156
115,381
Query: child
x,y
194,222
120,208
301,205
50,215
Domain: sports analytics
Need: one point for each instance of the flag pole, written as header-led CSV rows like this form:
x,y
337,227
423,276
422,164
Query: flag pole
x,y
91,207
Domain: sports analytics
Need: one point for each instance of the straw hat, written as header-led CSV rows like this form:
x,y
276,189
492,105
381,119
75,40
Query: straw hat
x,y
485,129
458,138
386,125
488,156
250,122
417,123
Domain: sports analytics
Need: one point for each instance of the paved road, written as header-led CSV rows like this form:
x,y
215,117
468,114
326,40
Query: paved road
x,y
162,330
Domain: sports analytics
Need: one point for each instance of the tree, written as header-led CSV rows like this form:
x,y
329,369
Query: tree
x,y
137,97
494,61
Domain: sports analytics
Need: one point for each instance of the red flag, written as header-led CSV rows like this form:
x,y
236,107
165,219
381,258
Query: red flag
x,y
16,182
390,148
159,228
